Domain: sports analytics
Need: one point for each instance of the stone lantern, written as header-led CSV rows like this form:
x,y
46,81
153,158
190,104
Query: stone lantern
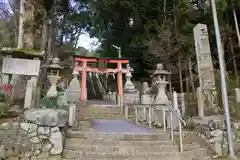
x,y
53,76
160,82
129,86
131,94
159,115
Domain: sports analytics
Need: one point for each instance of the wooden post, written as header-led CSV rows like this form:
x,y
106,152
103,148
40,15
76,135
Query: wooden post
x,y
84,81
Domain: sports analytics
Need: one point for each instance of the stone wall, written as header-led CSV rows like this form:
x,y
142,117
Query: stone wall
x,y
213,131
29,140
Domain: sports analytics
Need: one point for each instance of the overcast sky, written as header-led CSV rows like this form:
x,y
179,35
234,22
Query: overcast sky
x,y
87,42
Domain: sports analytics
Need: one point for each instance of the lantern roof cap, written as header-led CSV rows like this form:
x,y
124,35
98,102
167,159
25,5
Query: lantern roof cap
x,y
160,70
55,63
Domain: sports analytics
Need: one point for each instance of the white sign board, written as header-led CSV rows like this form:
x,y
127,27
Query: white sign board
x,y
21,66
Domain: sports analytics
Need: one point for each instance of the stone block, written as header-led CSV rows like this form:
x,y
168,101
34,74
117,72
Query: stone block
x,y
47,117
131,98
56,140
146,99
72,114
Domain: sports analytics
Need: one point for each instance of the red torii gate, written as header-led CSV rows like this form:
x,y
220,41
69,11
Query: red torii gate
x,y
83,68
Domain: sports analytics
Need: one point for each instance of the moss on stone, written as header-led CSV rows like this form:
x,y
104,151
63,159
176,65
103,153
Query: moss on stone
x,y
22,52
29,51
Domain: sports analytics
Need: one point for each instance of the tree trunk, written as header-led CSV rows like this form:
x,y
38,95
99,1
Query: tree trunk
x,y
44,33
180,74
236,26
190,73
50,31
28,27
15,6
170,80
21,22
234,61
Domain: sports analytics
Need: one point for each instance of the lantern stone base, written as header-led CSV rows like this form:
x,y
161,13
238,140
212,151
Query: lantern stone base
x,y
146,99
131,97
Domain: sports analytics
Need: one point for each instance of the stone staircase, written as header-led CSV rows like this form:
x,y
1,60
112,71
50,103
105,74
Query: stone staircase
x,y
194,147
94,112
90,145
88,112
84,143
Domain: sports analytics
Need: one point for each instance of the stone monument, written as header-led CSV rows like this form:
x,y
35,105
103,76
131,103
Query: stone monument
x,y
145,94
206,91
131,94
73,91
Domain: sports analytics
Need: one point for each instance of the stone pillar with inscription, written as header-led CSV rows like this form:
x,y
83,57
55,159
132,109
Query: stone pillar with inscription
x,y
207,88
36,94
31,94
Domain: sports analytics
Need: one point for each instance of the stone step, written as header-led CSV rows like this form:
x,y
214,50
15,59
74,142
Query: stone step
x,y
103,112
100,116
132,150
121,146
196,158
73,143
103,115
103,118
111,142
190,137
190,155
70,154
99,109
194,153
189,147
113,136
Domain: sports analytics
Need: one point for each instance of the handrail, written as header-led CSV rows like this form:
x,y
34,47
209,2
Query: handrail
x,y
174,111
176,114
